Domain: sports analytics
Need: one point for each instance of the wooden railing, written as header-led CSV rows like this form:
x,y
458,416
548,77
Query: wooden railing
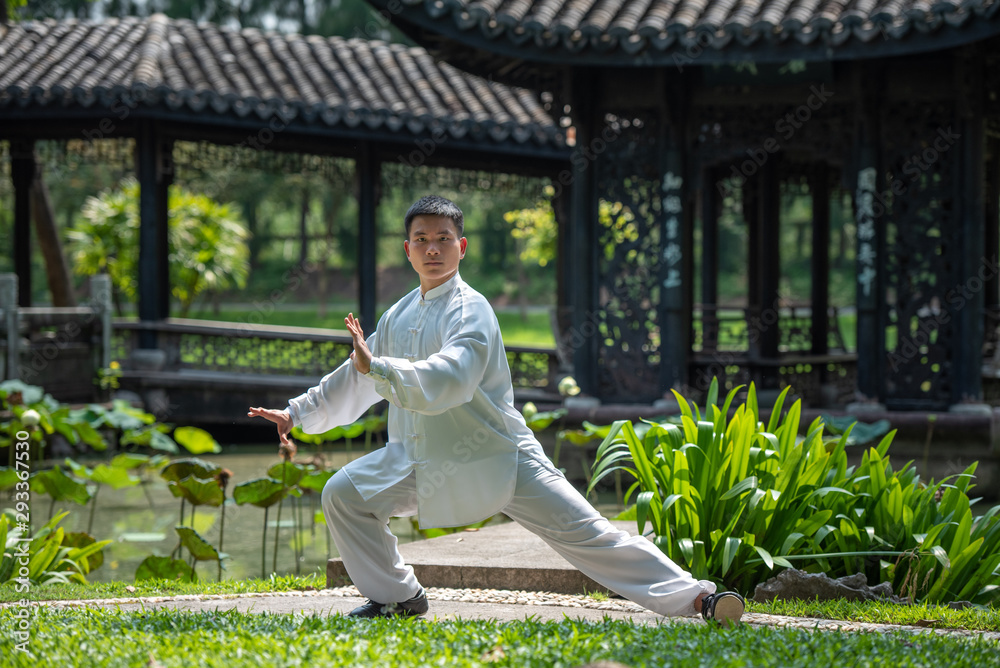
x,y
723,347
304,352
735,328
57,348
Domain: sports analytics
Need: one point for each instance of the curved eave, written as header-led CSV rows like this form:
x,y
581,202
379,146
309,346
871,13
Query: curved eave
x,y
428,32
58,121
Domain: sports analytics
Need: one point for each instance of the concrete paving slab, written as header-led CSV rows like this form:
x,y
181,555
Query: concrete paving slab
x,y
500,556
440,610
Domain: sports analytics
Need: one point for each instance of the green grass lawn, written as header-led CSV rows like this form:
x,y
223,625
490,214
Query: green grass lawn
x,y
533,331
111,638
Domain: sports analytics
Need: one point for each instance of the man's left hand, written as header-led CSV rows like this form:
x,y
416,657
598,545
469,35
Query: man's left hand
x,y
361,356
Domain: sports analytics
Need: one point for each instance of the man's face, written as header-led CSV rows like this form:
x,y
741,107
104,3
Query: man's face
x,y
434,249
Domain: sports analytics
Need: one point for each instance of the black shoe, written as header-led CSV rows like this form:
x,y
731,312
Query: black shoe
x,y
725,607
414,607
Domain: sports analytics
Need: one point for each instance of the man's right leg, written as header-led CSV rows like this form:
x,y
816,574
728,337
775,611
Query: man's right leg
x,y
361,531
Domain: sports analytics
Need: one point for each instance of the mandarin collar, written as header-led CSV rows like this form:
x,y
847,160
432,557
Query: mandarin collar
x,y
447,286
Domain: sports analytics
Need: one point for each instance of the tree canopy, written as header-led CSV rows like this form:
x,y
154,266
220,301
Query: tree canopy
x,y
208,249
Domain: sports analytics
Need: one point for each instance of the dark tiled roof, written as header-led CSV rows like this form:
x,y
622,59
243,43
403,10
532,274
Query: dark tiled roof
x,y
637,26
211,70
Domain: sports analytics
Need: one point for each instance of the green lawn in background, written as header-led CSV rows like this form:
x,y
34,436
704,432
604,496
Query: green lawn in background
x,y
111,638
534,331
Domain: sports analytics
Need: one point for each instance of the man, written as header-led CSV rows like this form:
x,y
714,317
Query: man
x,y
458,451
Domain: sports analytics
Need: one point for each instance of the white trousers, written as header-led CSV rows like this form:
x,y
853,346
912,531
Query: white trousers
x,y
546,504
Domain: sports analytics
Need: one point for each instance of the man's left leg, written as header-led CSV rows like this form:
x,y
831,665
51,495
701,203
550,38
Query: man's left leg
x,y
546,504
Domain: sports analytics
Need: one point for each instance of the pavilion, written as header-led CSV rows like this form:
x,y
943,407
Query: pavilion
x,y
681,107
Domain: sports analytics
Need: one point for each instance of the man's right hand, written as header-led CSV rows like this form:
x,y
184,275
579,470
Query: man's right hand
x,y
280,418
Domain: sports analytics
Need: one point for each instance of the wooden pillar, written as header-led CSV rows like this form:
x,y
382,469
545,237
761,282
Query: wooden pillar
x,y
769,240
870,300
675,301
582,241
820,285
22,170
564,264
991,242
677,241
709,259
367,170
155,171
751,216
976,268
991,232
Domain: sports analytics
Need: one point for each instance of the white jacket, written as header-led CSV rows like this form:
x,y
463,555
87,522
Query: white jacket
x,y
439,360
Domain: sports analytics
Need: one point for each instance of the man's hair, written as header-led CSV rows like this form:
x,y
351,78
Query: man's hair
x,y
435,205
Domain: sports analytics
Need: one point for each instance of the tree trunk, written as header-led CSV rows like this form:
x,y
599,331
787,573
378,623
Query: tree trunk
x,y
303,228
56,267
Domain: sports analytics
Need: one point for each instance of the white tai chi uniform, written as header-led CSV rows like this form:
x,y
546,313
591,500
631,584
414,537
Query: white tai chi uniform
x,y
459,452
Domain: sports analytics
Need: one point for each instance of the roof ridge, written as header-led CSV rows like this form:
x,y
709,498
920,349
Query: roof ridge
x,y
180,64
637,28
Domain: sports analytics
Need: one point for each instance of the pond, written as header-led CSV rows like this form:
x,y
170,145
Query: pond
x,y
142,523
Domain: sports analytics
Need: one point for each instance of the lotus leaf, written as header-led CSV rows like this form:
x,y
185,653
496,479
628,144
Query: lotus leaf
x,y
261,492
197,491
164,568
196,441
60,487
316,479
182,468
199,548
287,472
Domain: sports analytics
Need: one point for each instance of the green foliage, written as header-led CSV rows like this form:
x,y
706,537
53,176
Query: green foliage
x,y
18,397
260,492
190,466
53,555
113,476
207,241
730,499
287,473
155,585
197,491
860,432
539,421
936,615
197,441
199,548
59,486
536,231
315,479
164,568
620,224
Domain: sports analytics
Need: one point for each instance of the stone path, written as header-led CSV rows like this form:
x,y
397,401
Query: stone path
x,y
499,605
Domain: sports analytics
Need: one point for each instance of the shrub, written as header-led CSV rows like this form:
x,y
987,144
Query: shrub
x,y
732,499
52,554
